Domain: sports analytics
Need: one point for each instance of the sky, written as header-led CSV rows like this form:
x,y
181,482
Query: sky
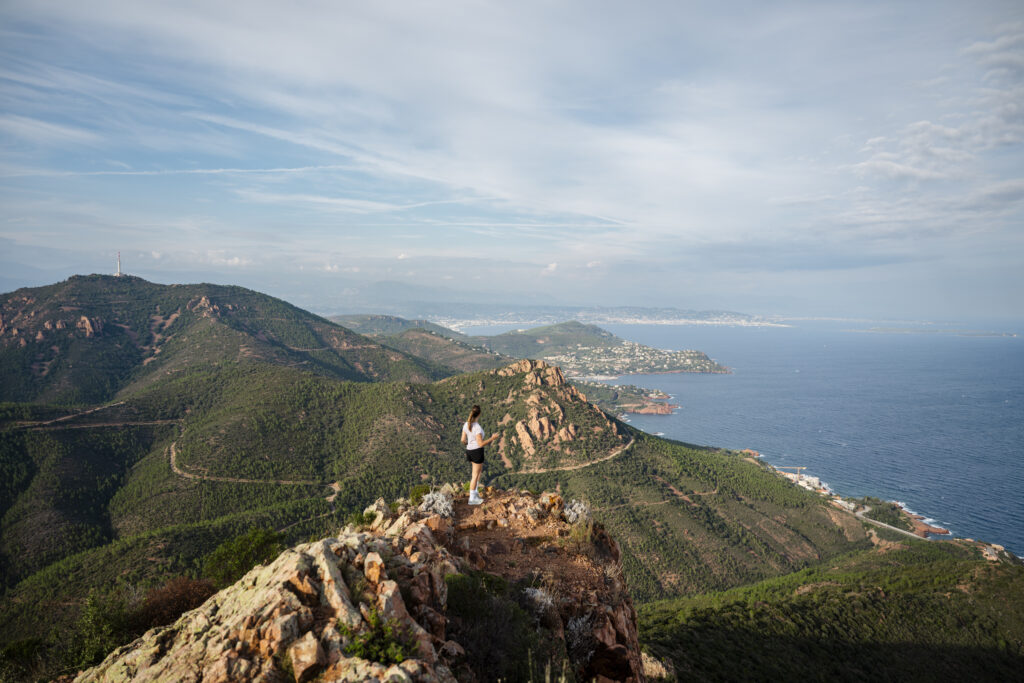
x,y
804,158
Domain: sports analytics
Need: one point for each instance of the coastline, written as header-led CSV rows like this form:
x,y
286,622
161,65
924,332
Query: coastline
x,y
921,527
610,378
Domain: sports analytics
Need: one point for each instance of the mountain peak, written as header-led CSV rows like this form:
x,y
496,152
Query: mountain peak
x,y
446,592
538,373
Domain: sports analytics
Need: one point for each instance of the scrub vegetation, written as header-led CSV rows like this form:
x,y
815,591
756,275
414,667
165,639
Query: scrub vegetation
x,y
257,426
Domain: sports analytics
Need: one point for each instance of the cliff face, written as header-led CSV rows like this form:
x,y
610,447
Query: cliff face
x,y
440,592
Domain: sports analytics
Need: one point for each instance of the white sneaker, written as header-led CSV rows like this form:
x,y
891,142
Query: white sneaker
x,y
475,499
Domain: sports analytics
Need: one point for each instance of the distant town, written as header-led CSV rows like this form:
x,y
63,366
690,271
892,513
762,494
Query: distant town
x,y
630,358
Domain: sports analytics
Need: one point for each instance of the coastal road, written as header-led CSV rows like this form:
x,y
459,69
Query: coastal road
x,y
867,508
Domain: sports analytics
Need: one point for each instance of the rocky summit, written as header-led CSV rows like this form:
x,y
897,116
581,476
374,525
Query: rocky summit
x,y
523,587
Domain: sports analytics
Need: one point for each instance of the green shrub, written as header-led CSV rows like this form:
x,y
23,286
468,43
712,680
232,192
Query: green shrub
x,y
232,559
385,642
417,492
500,636
101,627
20,657
360,519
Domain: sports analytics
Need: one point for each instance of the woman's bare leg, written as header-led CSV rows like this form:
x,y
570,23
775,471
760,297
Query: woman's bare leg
x,y
478,469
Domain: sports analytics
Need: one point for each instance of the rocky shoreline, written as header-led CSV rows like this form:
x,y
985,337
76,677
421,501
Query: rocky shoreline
x,y
920,527
652,408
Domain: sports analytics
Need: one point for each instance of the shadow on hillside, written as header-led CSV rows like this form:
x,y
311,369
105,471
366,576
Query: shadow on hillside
x,y
746,655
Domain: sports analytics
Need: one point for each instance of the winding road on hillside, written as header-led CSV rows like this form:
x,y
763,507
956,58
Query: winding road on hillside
x,y
236,480
565,468
867,508
50,426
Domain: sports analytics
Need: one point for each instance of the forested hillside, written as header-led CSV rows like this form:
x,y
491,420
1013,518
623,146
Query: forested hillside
x,y
924,611
391,326
85,339
226,420
256,444
451,353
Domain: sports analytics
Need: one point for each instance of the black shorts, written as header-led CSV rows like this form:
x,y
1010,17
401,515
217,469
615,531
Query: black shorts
x,y
475,455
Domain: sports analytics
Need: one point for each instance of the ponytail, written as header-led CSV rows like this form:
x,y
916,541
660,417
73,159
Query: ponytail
x,y
473,415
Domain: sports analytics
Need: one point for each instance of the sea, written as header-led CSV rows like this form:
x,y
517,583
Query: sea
x,y
933,420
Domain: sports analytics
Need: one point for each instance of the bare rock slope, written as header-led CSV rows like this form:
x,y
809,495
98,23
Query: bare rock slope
x,y
522,587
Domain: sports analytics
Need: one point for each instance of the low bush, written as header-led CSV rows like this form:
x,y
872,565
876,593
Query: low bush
x,y
417,492
165,604
385,642
360,519
233,558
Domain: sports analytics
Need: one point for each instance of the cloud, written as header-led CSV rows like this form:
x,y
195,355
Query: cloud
x,y
343,204
319,132
1001,193
24,128
893,169
24,173
221,259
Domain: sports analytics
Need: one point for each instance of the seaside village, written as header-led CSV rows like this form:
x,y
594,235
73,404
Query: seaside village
x,y
991,551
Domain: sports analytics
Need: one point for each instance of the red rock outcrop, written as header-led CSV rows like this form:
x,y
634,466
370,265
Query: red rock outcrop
x,y
296,618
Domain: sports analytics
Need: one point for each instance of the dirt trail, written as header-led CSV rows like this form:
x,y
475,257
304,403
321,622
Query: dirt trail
x,y
67,417
123,423
637,505
565,468
685,496
235,480
675,492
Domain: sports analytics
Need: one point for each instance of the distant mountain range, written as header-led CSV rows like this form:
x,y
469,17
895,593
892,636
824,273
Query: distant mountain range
x,y
582,350
145,425
460,315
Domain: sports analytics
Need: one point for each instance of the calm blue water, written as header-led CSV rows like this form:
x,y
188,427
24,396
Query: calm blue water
x,y
933,421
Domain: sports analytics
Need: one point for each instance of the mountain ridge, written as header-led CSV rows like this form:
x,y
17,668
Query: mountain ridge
x,y
433,583
90,337
95,506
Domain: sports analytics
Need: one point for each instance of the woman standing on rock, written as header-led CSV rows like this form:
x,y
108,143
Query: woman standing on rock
x,y
473,437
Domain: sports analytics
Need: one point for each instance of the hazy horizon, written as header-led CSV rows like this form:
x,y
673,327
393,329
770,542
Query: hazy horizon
x,y
841,159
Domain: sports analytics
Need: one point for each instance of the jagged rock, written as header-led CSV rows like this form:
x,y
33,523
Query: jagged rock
x,y
551,501
524,438
307,657
299,609
381,512
657,669
437,502
90,327
373,568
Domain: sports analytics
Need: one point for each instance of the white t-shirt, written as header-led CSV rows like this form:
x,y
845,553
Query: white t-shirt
x,y
473,437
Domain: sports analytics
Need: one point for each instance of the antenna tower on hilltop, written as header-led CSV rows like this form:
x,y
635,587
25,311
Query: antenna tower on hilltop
x,y
118,273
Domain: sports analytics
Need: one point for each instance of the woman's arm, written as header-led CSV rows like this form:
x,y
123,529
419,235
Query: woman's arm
x,y
488,441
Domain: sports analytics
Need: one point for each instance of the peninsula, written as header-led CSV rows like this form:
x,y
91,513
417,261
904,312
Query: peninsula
x,y
588,351
585,353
